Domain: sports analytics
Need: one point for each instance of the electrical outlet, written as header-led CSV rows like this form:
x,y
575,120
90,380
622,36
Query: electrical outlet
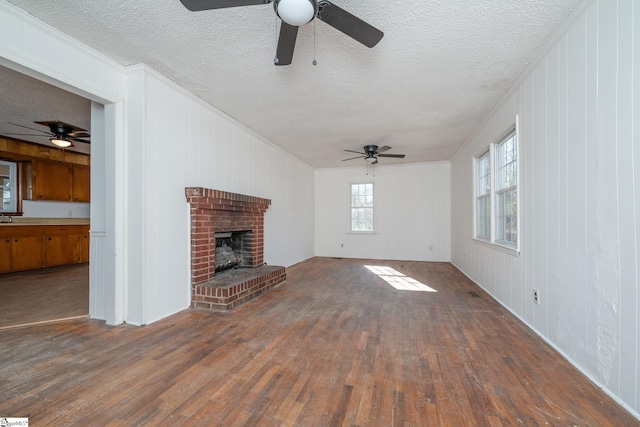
x,y
536,296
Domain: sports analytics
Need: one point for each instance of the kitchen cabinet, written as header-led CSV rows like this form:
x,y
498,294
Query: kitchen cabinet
x,y
5,255
60,181
61,250
84,247
31,247
27,253
80,183
51,180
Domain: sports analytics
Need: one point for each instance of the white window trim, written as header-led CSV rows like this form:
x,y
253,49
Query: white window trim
x,y
349,230
493,242
13,178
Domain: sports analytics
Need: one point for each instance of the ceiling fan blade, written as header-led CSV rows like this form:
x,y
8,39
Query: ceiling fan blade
x,y
396,156
286,44
383,149
27,127
351,158
198,5
24,134
357,152
79,140
79,135
352,26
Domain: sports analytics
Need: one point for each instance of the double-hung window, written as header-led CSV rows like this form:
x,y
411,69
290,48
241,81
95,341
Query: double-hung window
x,y
496,193
506,191
362,207
483,197
8,186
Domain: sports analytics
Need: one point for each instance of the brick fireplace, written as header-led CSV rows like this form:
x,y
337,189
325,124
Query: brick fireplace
x,y
215,212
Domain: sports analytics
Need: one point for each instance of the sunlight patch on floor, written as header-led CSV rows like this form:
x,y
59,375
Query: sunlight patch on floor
x,y
399,280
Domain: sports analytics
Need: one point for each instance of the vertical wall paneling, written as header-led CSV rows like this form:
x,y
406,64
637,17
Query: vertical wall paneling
x,y
175,140
635,144
579,187
98,214
591,269
135,164
626,208
608,302
552,232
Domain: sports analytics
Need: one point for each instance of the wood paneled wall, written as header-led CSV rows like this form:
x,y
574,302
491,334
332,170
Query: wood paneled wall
x,y
174,141
579,197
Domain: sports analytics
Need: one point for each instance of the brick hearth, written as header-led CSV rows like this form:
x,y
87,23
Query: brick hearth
x,y
234,287
215,211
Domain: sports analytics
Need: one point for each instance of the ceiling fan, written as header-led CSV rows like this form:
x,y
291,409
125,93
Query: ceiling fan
x,y
372,152
295,13
60,134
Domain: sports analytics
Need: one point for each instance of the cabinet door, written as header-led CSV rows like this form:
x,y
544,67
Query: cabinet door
x,y
83,247
51,180
81,184
26,253
5,255
61,250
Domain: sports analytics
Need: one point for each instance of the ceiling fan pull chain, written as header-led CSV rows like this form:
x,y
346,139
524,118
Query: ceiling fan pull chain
x,y
276,60
314,62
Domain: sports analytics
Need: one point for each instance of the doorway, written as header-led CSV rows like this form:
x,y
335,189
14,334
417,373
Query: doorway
x,y
51,293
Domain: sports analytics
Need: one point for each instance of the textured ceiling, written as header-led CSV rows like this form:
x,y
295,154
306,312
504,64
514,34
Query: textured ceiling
x,y
439,70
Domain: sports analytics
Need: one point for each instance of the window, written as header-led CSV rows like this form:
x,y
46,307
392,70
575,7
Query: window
x,y
362,207
506,191
8,183
483,197
496,193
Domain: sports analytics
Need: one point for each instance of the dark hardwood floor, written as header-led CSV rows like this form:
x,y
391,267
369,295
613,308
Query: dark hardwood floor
x,y
46,295
335,345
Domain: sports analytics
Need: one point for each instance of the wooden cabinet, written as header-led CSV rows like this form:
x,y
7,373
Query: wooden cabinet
x,y
51,180
26,253
61,250
5,255
84,247
32,247
60,181
80,183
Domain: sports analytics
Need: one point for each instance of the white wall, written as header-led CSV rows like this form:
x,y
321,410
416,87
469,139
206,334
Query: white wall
x,y
411,212
579,194
175,141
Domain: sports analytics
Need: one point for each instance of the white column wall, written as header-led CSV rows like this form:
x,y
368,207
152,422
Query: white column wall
x,y
411,212
175,141
579,196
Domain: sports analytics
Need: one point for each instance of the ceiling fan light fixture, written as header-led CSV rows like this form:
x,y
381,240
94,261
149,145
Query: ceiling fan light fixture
x,y
371,159
61,142
295,12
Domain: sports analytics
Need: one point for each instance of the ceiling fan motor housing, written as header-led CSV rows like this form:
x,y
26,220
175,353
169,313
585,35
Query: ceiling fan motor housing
x,y
371,149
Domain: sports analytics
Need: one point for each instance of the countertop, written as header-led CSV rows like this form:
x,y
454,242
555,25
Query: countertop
x,y
18,221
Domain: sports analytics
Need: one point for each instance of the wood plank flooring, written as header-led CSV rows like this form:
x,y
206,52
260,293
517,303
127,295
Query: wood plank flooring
x,y
335,345
45,295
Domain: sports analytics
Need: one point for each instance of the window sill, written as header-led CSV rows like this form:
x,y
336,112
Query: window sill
x,y
502,248
361,232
